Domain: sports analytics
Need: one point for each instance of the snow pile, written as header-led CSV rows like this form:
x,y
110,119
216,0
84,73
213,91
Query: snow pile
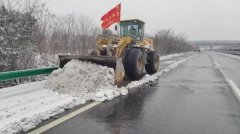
x,y
85,80
109,94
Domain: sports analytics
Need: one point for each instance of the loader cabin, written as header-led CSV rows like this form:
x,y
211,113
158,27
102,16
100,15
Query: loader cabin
x,y
134,28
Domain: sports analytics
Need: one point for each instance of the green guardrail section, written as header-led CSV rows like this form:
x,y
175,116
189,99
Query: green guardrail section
x,y
4,76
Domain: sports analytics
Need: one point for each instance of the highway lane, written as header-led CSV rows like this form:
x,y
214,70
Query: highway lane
x,y
229,65
192,99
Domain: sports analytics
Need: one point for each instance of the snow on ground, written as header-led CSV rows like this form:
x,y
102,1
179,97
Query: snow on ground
x,y
166,57
24,106
168,62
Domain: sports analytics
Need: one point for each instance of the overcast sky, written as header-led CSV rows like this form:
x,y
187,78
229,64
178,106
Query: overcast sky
x,y
197,19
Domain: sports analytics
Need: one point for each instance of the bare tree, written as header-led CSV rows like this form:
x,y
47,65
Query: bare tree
x,y
167,42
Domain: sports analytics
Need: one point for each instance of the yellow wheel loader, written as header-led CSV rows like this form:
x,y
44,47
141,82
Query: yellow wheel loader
x,y
128,53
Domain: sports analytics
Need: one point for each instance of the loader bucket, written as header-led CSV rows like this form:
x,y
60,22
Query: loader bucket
x,y
109,61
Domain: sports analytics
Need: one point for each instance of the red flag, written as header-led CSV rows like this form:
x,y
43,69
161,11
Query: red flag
x,y
111,17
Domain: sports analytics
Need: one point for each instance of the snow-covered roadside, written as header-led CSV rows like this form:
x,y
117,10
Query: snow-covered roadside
x,y
24,106
166,57
230,55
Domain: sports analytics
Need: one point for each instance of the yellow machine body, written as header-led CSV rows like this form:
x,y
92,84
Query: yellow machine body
x,y
111,49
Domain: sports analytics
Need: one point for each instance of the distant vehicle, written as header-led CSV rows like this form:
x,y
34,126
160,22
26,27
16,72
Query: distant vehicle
x,y
197,50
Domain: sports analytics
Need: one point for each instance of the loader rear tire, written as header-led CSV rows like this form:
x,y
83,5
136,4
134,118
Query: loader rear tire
x,y
134,63
152,62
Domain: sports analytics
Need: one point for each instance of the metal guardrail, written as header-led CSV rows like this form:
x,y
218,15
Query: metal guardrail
x,y
4,76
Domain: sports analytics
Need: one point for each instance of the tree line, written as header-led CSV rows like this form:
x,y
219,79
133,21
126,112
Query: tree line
x,y
168,42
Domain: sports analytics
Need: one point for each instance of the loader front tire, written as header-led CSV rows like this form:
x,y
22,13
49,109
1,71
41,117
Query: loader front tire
x,y
152,62
134,63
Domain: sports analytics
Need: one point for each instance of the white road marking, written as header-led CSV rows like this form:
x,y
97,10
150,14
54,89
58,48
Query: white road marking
x,y
63,119
235,88
231,83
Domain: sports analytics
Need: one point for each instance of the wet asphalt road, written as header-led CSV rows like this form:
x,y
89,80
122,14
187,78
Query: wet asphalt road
x,y
230,66
192,99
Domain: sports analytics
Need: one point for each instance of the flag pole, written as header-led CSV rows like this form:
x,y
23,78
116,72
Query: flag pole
x,y
117,31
